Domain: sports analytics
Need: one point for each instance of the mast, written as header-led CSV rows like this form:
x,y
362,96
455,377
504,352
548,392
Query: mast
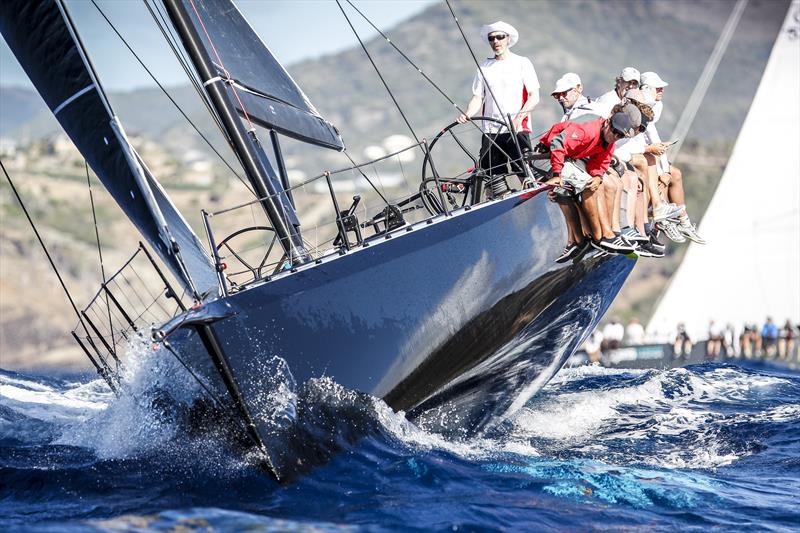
x,y
244,142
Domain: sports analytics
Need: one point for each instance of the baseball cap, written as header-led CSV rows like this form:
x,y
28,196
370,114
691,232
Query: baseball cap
x,y
628,120
567,82
629,74
642,96
653,80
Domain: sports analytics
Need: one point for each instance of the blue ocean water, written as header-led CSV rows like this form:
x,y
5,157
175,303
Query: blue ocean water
x,y
707,446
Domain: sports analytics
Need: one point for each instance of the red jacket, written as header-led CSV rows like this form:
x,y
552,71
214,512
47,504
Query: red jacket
x,y
579,141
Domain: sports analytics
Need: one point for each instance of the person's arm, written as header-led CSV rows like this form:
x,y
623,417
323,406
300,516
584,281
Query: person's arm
x,y
473,106
655,149
596,167
527,107
530,82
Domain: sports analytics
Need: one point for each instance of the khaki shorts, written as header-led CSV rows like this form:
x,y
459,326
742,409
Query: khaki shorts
x,y
574,174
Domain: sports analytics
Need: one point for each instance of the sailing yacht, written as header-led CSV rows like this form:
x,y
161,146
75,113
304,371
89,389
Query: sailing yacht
x,y
463,311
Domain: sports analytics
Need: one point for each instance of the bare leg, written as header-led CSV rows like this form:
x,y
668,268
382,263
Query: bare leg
x,y
645,167
641,204
586,229
613,197
629,183
591,210
573,236
603,212
675,190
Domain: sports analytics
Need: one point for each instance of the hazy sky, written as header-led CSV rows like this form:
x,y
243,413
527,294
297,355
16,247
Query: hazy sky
x,y
292,29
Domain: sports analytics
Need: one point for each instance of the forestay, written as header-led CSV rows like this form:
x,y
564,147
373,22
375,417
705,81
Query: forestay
x,y
266,92
42,38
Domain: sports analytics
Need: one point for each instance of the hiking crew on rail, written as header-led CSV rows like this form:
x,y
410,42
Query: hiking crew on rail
x,y
607,166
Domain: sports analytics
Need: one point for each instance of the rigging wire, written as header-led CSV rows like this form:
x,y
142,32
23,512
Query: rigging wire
x,y
99,249
161,22
228,79
699,92
103,373
377,70
355,165
166,93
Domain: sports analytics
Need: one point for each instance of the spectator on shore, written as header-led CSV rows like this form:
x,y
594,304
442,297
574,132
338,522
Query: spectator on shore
x,y
749,341
682,346
613,333
593,346
729,341
634,333
769,338
787,340
715,338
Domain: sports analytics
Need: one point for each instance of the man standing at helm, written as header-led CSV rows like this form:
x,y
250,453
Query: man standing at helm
x,y
504,84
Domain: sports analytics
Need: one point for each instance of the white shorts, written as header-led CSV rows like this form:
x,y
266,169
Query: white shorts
x,y
574,174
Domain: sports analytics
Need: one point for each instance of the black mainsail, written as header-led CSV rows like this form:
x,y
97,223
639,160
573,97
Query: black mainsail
x,y
42,37
266,91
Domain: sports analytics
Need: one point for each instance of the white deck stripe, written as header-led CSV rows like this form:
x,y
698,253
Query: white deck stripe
x,y
72,98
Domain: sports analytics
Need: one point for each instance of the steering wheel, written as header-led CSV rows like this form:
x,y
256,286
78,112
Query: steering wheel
x,y
458,189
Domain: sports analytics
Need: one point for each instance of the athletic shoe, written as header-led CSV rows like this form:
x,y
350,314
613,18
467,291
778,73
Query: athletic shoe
x,y
690,231
583,247
655,243
648,250
633,236
671,231
568,253
667,210
617,245
599,251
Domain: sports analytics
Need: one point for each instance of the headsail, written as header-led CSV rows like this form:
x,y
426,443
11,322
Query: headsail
x,y
267,92
42,38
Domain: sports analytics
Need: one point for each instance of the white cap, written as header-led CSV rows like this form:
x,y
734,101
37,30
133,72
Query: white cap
x,y
642,96
508,29
629,74
653,80
567,82
649,95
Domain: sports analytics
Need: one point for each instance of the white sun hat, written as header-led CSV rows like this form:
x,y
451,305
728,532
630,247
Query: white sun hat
x,y
653,80
567,82
508,29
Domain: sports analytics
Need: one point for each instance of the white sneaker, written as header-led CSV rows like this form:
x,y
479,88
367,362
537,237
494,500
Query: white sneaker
x,y
671,231
666,210
690,231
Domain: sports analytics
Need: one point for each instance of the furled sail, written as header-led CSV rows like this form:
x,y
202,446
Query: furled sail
x,y
43,39
266,92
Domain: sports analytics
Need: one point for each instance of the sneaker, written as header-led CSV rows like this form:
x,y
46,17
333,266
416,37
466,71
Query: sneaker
x,y
599,251
568,253
617,245
667,210
633,236
583,247
648,250
654,242
671,231
689,231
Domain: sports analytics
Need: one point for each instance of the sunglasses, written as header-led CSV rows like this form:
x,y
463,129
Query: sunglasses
x,y
562,94
618,134
493,38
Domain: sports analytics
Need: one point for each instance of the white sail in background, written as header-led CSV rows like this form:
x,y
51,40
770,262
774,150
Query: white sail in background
x,y
750,268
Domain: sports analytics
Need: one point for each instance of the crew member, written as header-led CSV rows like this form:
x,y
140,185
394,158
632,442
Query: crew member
x,y
580,154
504,84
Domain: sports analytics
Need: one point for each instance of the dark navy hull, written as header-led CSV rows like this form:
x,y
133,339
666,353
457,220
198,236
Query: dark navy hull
x,y
467,315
